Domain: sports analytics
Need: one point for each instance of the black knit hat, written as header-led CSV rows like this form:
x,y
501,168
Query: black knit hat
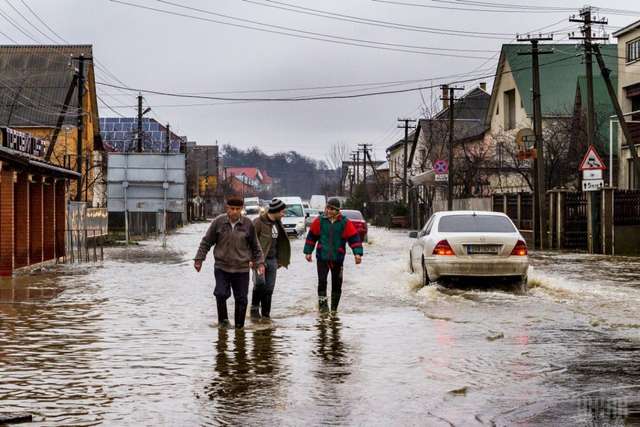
x,y
235,201
276,205
334,203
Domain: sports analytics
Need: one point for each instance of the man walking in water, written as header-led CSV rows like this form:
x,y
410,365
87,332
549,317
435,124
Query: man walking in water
x,y
277,251
236,251
331,232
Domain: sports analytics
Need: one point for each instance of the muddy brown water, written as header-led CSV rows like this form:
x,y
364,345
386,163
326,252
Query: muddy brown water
x,y
134,341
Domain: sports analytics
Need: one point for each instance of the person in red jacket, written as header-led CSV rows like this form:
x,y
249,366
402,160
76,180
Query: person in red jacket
x,y
329,235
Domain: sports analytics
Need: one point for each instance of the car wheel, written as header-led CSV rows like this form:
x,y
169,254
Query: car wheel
x,y
426,281
522,285
411,263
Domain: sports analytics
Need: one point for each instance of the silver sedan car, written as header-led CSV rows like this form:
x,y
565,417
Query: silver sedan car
x,y
469,244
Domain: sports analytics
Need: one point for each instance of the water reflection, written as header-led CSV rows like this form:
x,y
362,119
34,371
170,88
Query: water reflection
x,y
247,376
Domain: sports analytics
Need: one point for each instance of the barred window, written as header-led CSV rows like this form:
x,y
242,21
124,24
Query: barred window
x,y
633,50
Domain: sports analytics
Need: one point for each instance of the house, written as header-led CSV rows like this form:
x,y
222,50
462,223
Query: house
x,y
396,159
563,96
629,98
40,97
430,146
33,203
253,180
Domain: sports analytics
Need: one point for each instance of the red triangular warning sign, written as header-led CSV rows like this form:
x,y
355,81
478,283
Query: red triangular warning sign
x,y
592,161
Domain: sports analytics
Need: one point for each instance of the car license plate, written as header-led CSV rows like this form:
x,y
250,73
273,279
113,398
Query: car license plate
x,y
483,249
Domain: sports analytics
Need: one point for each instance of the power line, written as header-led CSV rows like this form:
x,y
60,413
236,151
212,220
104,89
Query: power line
x,y
464,9
312,98
376,22
307,34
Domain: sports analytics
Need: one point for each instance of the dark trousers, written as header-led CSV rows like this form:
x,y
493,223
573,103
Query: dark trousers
x,y
226,283
324,267
263,288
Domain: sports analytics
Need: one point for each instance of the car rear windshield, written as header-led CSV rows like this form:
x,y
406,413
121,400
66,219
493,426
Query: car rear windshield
x,y
475,224
353,215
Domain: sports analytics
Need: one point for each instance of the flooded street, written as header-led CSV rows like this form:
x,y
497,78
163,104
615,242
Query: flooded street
x,y
134,341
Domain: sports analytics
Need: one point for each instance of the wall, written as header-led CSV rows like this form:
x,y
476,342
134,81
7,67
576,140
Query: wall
x,y
628,74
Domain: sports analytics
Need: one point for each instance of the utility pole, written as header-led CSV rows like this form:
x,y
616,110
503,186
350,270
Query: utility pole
x,y
451,98
588,37
357,167
139,136
365,155
80,127
167,139
405,159
351,172
540,223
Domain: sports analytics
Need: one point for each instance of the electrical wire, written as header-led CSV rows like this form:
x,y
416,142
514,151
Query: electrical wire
x,y
315,98
376,22
301,34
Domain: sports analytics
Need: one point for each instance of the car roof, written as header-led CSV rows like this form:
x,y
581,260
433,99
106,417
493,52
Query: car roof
x,y
469,212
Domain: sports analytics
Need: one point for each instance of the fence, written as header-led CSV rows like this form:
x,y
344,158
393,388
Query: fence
x,y
84,246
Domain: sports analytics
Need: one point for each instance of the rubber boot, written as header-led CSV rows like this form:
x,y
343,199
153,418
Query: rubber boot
x,y
256,296
335,300
266,305
323,304
240,314
223,316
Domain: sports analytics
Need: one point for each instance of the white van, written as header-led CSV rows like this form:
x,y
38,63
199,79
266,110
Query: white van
x,y
252,201
294,217
318,202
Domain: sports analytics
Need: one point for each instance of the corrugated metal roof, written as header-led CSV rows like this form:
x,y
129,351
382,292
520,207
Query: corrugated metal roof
x,y
34,80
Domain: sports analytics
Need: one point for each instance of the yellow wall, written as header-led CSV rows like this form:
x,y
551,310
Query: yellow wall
x,y
66,143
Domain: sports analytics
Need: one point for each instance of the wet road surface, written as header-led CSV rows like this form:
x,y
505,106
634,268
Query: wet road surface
x,y
134,341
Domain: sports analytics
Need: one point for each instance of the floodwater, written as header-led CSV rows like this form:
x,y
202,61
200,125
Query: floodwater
x,y
134,341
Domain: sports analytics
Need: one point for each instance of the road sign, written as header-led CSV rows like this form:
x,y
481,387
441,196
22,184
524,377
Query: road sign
x,y
442,177
441,167
592,185
592,160
589,174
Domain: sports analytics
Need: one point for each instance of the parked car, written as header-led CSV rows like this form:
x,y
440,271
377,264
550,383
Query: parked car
x,y
318,201
294,218
360,223
469,244
252,212
310,215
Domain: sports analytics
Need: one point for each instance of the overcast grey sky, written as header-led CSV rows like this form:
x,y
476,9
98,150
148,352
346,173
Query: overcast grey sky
x,y
151,50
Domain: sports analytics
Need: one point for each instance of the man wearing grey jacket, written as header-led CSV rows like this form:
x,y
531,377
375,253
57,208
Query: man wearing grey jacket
x,y
236,251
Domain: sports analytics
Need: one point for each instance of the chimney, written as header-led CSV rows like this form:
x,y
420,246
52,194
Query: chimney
x,y
445,97
483,86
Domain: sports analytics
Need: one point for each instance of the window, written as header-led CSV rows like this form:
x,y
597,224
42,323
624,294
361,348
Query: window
x,y
497,109
510,109
633,50
475,224
635,106
357,215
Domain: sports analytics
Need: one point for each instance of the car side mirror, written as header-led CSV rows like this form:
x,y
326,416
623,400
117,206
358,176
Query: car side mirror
x,y
413,234
306,215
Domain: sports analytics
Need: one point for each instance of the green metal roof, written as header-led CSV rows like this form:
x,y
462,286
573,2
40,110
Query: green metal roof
x,y
560,75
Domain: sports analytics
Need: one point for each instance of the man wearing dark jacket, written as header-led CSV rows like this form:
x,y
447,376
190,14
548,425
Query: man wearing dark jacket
x,y
277,252
331,232
236,251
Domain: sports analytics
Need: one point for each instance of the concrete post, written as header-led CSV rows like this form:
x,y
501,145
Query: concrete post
x,y
519,210
7,181
35,220
590,222
552,225
607,221
48,217
560,200
21,221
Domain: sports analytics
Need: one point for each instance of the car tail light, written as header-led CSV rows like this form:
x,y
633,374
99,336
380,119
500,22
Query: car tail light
x,y
443,248
520,249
